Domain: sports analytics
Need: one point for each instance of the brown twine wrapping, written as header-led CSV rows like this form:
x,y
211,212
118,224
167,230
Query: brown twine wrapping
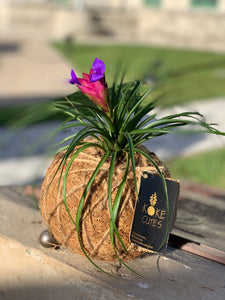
x,y
95,215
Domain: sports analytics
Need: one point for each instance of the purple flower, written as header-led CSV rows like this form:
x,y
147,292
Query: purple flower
x,y
98,69
74,79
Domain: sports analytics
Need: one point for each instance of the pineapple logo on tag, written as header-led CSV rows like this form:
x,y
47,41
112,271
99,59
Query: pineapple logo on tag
x,y
153,201
153,216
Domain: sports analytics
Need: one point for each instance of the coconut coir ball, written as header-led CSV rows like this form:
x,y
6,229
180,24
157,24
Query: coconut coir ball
x,y
95,221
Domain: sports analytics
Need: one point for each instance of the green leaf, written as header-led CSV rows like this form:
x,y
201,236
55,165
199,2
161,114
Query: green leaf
x,y
127,100
151,131
140,100
81,204
75,142
134,122
115,208
80,207
113,226
131,152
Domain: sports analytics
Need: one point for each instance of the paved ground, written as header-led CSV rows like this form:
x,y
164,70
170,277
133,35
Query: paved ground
x,y
31,70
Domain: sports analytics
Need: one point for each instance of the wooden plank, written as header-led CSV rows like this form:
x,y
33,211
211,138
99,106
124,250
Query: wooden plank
x,y
197,249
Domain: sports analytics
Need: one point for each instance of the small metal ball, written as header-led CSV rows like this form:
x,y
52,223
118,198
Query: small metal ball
x,y
47,239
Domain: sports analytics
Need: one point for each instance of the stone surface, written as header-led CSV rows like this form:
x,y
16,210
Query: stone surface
x,y
29,271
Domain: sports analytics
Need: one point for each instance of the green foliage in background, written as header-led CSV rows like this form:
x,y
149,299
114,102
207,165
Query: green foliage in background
x,y
180,75
207,168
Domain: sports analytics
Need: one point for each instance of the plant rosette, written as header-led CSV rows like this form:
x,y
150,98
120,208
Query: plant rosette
x,y
91,188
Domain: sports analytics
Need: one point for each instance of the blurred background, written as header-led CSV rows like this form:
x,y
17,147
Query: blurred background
x,y
177,45
176,23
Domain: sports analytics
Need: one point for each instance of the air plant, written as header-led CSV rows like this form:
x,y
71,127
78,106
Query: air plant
x,y
119,121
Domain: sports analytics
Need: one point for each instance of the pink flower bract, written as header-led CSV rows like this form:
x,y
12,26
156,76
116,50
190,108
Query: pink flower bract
x,y
93,85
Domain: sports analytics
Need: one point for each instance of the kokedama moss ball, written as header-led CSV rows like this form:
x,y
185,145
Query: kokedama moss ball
x,y
95,221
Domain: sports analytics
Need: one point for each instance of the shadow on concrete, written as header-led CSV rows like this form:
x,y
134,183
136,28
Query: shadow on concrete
x,y
8,102
172,145
24,153
39,139
56,292
8,47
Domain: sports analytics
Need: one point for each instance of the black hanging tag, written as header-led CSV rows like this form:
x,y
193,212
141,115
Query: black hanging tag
x,y
152,221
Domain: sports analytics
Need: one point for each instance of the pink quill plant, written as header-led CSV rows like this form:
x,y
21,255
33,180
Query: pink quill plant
x,y
93,85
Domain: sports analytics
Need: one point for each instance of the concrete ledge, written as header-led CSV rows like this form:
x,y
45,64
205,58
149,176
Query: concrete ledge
x,y
29,271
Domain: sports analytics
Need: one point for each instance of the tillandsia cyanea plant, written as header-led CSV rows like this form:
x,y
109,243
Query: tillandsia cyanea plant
x,y
119,121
